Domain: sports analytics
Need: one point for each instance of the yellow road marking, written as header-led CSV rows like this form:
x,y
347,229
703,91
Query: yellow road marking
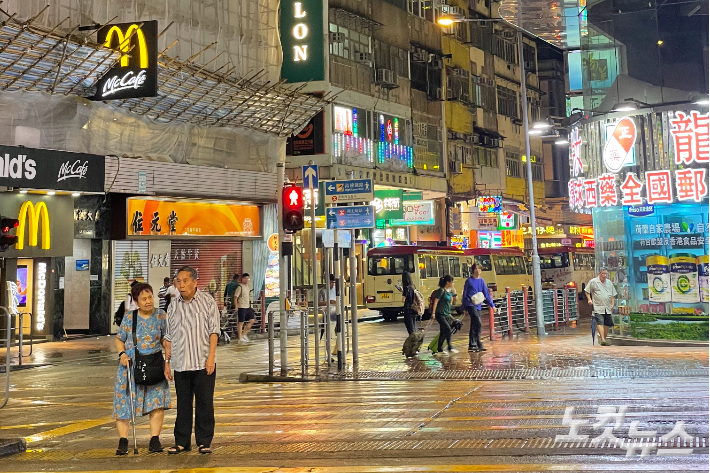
x,y
69,429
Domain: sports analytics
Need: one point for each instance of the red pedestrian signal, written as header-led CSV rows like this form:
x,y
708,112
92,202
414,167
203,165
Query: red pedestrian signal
x,y
292,201
7,224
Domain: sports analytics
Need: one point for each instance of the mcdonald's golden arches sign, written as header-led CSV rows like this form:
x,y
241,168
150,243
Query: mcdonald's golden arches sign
x,y
136,72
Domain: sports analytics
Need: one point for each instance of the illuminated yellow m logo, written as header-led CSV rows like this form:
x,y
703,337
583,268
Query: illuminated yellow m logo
x,y
28,209
124,42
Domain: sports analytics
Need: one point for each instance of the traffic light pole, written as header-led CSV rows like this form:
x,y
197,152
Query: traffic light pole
x,y
283,316
314,249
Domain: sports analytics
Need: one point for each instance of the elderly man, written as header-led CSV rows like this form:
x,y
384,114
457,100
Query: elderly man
x,y
191,343
601,294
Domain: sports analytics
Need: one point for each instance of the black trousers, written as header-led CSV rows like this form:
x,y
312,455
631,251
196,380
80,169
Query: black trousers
x,y
200,386
410,321
474,331
444,332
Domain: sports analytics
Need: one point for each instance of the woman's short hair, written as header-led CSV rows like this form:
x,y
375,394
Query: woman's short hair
x,y
139,288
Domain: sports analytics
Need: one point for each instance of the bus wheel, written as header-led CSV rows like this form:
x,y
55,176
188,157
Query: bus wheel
x,y
390,315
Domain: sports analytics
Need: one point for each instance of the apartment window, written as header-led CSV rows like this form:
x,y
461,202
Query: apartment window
x,y
512,165
506,49
481,35
485,157
392,58
424,76
537,171
457,83
417,8
507,102
354,43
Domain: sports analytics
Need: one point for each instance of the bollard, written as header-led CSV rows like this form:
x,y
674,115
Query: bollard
x,y
492,323
271,343
554,304
20,333
567,317
525,305
510,313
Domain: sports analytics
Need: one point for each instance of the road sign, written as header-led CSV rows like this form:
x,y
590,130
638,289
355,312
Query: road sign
x,y
357,190
310,176
359,216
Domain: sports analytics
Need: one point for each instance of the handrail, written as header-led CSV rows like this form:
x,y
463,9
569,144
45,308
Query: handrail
x,y
21,334
8,332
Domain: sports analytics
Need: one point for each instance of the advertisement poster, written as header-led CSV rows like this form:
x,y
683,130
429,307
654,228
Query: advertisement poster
x,y
21,283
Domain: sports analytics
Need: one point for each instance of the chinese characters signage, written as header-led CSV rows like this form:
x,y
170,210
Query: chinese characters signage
x,y
388,204
574,230
148,217
544,230
691,137
416,212
507,221
512,238
310,140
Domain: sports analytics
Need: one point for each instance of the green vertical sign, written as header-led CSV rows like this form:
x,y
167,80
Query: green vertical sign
x,y
302,34
388,204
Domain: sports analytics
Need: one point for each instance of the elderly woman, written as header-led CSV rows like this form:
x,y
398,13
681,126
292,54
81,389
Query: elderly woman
x,y
152,400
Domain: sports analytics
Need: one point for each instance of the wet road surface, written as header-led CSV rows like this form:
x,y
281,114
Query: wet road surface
x,y
453,423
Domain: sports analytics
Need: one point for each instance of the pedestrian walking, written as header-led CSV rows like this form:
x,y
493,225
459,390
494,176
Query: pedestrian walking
x,y
601,295
245,314
410,315
442,311
150,329
191,345
475,291
129,302
229,291
326,295
163,294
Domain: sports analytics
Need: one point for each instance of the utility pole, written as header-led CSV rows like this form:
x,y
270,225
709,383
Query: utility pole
x,y
314,249
283,317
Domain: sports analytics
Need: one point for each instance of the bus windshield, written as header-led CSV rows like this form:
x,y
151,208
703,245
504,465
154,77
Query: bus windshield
x,y
386,265
557,260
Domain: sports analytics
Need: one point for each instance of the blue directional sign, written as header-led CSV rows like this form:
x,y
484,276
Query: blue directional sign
x,y
360,216
310,176
356,190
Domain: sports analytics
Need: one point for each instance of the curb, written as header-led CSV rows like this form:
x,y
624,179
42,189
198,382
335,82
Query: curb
x,y
12,446
649,342
265,378
295,331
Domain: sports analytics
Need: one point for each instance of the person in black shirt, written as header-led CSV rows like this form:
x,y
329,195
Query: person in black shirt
x,y
410,316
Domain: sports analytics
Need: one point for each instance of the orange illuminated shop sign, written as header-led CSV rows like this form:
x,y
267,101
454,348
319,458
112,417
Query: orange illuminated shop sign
x,y
147,217
512,238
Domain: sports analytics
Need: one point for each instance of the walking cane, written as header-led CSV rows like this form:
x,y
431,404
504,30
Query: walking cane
x,y
129,371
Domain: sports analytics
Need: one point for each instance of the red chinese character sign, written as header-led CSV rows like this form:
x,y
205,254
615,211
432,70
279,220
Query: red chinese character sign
x,y
691,184
575,152
607,190
691,134
619,146
631,187
658,187
590,191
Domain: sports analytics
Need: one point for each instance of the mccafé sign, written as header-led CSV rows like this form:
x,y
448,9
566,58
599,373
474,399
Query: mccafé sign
x,y
136,73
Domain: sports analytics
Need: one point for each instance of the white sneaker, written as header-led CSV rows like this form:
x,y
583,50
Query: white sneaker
x,y
453,350
244,339
445,352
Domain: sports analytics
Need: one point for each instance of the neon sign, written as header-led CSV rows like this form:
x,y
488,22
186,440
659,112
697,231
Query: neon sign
x,y
34,212
41,294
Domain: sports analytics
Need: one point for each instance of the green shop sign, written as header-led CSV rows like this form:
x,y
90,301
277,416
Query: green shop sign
x,y
388,204
301,26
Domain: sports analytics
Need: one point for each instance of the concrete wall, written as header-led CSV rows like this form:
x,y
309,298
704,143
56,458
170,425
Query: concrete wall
x,y
76,288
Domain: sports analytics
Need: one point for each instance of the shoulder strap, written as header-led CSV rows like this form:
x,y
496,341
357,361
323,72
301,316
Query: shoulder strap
x,y
135,325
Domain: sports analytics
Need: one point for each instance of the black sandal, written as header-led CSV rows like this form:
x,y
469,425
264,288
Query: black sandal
x,y
122,446
205,449
155,446
177,449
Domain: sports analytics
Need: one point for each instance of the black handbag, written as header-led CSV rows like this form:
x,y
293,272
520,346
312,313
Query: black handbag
x,y
148,369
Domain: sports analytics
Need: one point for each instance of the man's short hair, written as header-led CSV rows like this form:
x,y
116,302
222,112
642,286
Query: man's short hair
x,y
245,275
236,276
604,269
166,280
189,269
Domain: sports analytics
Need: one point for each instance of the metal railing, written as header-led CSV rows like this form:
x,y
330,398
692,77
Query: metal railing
x,y
7,339
560,306
21,333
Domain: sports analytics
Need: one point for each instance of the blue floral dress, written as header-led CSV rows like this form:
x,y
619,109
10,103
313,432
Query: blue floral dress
x,y
149,333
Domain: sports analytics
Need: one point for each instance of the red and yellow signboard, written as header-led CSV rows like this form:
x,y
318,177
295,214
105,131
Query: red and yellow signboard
x,y
147,217
512,238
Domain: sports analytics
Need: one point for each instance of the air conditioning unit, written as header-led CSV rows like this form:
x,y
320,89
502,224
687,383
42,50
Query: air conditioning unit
x,y
477,79
337,37
439,94
386,77
508,34
449,93
420,57
421,129
362,58
490,82
452,10
437,63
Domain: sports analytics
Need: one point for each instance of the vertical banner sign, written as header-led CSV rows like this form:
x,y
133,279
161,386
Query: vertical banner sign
x,y
302,40
136,73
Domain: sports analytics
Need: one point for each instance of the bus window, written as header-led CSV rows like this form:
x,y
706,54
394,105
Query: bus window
x,y
485,262
506,265
583,262
443,266
464,270
388,265
422,267
430,267
455,267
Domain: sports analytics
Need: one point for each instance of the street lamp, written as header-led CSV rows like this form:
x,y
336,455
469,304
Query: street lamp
x,y
447,21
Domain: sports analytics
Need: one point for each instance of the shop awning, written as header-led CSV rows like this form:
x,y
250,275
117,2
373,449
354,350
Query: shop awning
x,y
36,58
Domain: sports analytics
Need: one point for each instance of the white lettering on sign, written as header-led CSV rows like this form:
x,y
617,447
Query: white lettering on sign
x,y
41,294
128,81
300,32
17,168
70,170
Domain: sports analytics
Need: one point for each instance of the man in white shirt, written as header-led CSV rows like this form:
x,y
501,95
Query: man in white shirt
x,y
601,294
245,314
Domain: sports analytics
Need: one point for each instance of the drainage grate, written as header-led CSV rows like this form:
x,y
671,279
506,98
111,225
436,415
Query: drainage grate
x,y
509,445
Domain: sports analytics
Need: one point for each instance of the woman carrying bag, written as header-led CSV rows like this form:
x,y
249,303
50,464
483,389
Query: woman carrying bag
x,y
475,292
442,311
144,328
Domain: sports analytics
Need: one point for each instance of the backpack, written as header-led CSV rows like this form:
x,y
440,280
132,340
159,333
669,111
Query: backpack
x,y
432,298
418,302
118,316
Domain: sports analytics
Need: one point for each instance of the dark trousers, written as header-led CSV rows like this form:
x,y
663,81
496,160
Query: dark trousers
x,y
474,331
410,321
444,332
200,386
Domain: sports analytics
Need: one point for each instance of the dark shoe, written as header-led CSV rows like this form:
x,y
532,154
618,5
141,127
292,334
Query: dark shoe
x,y
481,349
155,445
205,449
472,349
122,446
177,449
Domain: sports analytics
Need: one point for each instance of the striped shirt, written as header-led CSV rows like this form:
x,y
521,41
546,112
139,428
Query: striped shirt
x,y
163,290
189,327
